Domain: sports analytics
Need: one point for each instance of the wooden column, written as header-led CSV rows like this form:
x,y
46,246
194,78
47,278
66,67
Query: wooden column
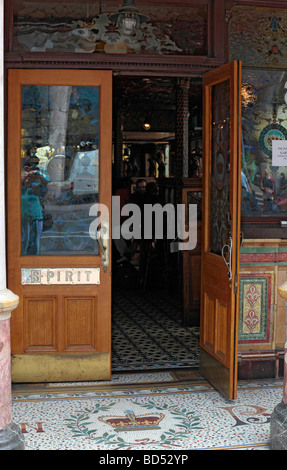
x,y
118,167
182,115
118,146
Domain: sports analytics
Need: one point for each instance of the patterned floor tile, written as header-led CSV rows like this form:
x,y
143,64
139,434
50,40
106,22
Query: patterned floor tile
x,y
147,333
162,418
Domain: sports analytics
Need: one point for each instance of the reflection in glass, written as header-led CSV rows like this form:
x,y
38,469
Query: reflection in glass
x,y
264,119
59,168
85,27
220,167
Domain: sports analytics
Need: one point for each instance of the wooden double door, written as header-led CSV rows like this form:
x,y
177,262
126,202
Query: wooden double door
x,y
59,158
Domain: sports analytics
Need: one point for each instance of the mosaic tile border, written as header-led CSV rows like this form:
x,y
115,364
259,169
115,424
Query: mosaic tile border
x,y
120,379
263,256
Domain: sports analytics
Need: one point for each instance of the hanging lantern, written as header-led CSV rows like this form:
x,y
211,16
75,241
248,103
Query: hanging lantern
x,y
128,18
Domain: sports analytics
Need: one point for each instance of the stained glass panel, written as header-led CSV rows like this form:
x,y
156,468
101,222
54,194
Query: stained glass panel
x,y
220,167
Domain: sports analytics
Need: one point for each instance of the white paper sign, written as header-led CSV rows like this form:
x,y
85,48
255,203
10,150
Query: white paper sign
x,y
279,152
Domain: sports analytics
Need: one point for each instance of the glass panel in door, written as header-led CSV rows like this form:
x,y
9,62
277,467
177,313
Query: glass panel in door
x,y
220,167
59,168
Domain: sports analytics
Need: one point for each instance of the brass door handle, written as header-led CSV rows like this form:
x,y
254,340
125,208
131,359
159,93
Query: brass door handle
x,y
226,252
103,239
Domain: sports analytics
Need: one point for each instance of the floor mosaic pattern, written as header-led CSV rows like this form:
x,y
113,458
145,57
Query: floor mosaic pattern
x,y
147,333
120,379
177,415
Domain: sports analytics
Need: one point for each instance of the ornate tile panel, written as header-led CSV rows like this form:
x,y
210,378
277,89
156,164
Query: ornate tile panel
x,y
255,307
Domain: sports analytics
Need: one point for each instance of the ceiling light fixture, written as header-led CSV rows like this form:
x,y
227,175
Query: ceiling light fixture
x,y
146,126
128,18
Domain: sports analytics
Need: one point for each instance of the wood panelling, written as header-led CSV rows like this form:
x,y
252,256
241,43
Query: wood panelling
x,y
207,329
215,340
191,259
221,338
40,324
79,323
192,282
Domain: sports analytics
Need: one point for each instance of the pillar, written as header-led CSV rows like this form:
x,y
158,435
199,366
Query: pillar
x,y
118,148
182,118
278,421
10,435
118,116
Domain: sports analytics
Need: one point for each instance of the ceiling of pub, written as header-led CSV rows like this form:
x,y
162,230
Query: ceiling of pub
x,y
153,98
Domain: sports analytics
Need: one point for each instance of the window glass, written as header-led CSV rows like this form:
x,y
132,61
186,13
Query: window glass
x,y
86,27
264,122
59,168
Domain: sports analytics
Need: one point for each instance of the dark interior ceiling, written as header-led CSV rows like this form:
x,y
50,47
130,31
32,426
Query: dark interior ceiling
x,y
140,98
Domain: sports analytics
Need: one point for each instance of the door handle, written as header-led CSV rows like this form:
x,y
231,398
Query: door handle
x,y
226,253
103,239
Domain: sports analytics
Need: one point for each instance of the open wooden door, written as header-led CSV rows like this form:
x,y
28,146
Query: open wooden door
x,y
221,227
58,167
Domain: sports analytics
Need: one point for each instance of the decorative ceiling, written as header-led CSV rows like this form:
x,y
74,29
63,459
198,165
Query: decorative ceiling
x,y
140,98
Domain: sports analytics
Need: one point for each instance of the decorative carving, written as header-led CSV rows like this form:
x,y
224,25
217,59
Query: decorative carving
x,y
180,65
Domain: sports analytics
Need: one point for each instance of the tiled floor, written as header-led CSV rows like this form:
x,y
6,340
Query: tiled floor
x,y
156,400
162,411
148,333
